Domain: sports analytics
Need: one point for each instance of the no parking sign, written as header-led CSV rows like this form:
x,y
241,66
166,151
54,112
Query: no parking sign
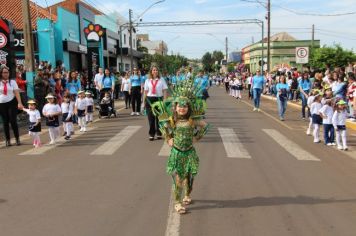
x,y
3,40
302,55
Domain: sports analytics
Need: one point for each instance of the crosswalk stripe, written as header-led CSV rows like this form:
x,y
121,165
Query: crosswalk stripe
x,y
46,148
165,150
233,146
111,146
294,149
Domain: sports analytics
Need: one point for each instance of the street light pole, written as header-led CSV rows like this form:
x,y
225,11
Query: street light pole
x,y
268,35
130,29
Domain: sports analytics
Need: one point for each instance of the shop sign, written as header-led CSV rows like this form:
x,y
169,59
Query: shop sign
x,y
94,32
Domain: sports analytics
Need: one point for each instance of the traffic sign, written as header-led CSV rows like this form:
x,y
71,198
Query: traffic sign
x,y
3,40
302,55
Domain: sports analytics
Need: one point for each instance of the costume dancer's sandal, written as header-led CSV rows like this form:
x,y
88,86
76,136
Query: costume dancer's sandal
x,y
187,200
180,209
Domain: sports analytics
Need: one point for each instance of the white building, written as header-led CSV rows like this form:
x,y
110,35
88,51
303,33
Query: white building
x,y
154,47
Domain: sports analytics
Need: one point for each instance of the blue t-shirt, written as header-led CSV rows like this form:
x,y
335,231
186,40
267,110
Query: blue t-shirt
x,y
135,81
280,86
304,84
258,82
73,87
108,82
143,79
201,82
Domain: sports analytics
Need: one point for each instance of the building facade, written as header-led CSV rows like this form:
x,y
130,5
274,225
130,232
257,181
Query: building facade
x,y
153,47
282,52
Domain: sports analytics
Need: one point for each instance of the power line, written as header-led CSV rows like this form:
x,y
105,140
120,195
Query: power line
x,y
313,14
336,36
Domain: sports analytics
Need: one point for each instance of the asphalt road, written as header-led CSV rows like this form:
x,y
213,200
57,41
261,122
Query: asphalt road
x,y
258,176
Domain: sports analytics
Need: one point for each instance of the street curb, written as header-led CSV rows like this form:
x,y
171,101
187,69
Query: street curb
x,y
349,124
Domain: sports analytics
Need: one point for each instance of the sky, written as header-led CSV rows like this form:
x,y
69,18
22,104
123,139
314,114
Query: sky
x,y
295,17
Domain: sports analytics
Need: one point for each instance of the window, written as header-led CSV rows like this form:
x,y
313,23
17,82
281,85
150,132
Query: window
x,y
124,38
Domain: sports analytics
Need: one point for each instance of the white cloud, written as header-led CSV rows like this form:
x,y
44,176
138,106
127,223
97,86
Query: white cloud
x,y
200,1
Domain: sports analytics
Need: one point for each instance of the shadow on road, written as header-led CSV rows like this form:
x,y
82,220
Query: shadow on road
x,y
264,201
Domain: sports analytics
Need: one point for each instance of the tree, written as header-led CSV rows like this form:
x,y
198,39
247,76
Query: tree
x,y
167,63
231,67
207,61
218,56
335,56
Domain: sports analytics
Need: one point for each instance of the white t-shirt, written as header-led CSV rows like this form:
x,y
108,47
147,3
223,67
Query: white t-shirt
x,y
11,87
34,115
98,80
125,84
339,118
68,108
50,109
161,85
315,108
310,100
90,101
81,104
327,111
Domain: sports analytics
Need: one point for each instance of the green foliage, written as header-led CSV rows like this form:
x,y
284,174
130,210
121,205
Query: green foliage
x,y
168,63
209,59
334,56
231,67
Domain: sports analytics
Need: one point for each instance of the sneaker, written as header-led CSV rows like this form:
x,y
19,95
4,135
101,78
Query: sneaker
x,y
281,118
137,113
67,137
81,130
133,113
65,134
84,129
333,144
52,142
159,137
258,109
151,138
308,132
317,141
255,109
339,147
329,144
346,148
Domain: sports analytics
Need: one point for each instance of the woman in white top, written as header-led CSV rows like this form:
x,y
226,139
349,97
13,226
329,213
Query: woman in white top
x,y
155,90
10,101
125,88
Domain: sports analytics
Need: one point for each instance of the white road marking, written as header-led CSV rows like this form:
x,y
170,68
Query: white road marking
x,y
294,149
46,148
111,146
173,222
233,146
165,150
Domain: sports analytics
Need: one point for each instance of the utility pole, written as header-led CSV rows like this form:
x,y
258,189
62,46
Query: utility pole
x,y
121,63
130,29
29,52
313,34
226,48
268,35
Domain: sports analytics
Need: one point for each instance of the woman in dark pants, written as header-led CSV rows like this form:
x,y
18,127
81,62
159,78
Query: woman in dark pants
x,y
155,89
135,92
10,102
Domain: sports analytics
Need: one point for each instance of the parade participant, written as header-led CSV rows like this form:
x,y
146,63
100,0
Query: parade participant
x,y
227,85
202,82
249,83
181,124
304,88
239,86
90,107
316,117
310,101
282,96
351,89
125,86
73,84
52,111
107,83
339,122
155,89
258,83
135,92
97,81
67,107
80,109
34,123
10,101
231,85
326,113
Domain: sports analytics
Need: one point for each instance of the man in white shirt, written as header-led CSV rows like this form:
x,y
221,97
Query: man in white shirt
x,y
98,80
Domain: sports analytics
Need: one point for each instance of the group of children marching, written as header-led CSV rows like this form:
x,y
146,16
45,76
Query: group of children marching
x,y
72,110
236,87
331,115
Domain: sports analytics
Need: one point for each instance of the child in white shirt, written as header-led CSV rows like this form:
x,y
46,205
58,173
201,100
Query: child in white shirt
x,y
81,111
67,117
309,103
90,106
35,123
52,111
316,118
339,122
327,113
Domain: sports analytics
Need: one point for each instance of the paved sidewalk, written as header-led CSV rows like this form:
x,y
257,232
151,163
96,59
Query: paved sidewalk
x,y
349,124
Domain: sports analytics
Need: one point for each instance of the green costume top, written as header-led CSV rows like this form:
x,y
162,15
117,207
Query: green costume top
x,y
183,159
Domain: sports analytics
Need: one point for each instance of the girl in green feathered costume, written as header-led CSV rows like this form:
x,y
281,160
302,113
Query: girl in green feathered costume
x,y
181,124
